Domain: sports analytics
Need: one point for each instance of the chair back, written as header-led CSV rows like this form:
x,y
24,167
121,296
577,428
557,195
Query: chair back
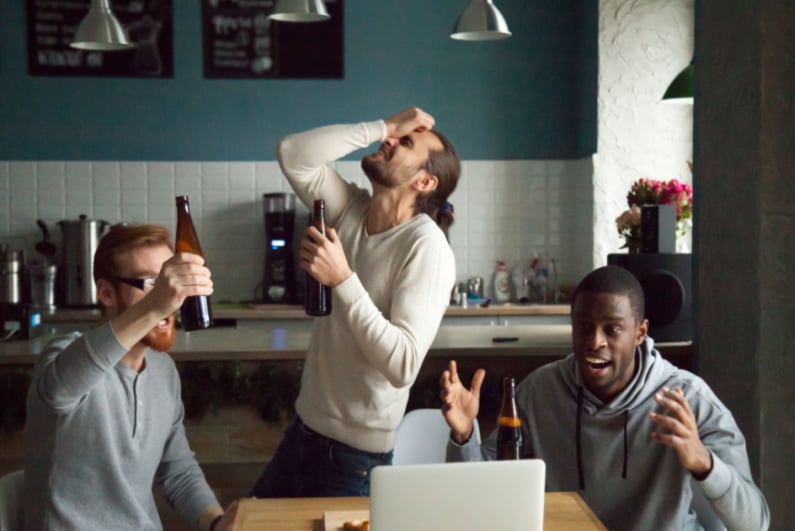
x,y
12,507
422,438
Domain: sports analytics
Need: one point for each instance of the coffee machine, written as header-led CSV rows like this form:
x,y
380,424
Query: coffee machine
x,y
279,282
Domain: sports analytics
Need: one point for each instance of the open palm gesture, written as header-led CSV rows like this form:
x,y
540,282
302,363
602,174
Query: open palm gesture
x,y
460,405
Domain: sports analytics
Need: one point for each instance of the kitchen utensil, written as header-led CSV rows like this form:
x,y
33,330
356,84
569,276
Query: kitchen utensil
x,y
42,285
80,240
45,247
11,275
475,287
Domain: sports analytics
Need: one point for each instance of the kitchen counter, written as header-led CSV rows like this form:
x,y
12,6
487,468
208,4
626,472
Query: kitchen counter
x,y
294,311
252,341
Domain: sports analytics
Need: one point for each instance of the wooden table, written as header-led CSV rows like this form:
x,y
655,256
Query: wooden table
x,y
562,511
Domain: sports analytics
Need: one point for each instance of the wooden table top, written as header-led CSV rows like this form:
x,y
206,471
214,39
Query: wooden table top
x,y
562,511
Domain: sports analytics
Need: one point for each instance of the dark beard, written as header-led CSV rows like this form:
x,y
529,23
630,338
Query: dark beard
x,y
160,340
374,170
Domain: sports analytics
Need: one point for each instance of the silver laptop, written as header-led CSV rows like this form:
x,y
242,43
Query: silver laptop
x,y
504,495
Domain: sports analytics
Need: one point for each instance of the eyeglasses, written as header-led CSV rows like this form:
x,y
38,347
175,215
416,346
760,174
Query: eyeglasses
x,y
143,284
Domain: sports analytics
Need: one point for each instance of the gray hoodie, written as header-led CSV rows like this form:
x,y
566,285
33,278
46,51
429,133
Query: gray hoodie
x,y
606,453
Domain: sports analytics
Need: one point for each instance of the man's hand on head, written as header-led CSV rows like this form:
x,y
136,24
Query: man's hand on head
x,y
404,122
680,432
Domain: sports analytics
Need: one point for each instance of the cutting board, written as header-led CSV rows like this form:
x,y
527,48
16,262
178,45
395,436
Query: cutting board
x,y
333,520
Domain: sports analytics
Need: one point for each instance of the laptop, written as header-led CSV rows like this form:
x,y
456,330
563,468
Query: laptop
x,y
476,496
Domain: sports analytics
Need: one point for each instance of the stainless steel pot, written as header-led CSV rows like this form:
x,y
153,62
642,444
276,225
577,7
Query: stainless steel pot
x,y
80,240
12,265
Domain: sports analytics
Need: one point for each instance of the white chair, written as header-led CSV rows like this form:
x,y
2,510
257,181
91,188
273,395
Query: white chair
x,y
706,515
12,508
422,438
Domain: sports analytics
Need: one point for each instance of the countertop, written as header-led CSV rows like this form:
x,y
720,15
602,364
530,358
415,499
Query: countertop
x,y
245,311
253,341
291,340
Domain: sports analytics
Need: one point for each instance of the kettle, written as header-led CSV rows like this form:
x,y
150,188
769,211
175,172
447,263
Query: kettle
x,y
80,240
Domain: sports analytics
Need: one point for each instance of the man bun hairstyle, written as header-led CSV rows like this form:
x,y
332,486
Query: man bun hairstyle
x,y
615,280
446,166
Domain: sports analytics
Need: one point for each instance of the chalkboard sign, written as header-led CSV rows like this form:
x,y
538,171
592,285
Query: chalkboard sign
x,y
52,25
241,41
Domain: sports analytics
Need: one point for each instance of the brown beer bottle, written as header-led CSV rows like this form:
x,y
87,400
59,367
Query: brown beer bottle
x,y
196,311
317,302
509,429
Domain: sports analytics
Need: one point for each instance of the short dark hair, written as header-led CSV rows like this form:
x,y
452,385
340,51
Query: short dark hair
x,y
446,166
615,280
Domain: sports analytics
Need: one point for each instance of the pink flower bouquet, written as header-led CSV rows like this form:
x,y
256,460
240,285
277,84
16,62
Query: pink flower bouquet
x,y
646,191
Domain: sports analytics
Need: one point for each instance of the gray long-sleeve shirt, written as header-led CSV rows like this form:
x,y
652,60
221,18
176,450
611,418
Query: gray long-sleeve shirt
x,y
98,434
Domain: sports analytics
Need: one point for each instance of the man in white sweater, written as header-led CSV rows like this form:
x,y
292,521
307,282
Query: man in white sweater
x,y
391,270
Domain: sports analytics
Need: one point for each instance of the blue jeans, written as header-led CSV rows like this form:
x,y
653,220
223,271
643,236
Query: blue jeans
x,y
308,464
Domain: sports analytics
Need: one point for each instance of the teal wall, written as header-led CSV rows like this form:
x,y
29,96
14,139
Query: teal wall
x,y
532,96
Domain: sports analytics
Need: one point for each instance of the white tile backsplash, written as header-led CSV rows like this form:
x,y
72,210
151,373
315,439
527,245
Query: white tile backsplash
x,y
508,210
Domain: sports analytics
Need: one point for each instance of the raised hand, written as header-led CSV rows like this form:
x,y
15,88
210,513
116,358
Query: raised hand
x,y
460,405
404,122
181,276
681,432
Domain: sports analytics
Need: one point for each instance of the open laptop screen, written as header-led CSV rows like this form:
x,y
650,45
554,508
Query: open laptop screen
x,y
477,496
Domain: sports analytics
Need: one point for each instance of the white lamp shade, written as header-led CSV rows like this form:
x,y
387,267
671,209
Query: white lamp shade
x,y
100,31
300,11
480,21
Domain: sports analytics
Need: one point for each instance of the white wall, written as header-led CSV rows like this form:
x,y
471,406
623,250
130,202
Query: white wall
x,y
643,45
504,209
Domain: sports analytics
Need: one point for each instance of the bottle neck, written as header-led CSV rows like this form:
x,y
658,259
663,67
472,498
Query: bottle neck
x,y
508,412
183,205
319,215
187,239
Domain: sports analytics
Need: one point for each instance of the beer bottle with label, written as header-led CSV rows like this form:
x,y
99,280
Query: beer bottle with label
x,y
509,425
317,302
196,311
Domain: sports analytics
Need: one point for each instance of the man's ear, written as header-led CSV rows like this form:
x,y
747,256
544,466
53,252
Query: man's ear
x,y
106,293
641,331
426,182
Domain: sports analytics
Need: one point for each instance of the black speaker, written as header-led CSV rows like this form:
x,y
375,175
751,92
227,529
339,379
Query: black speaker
x,y
667,287
658,229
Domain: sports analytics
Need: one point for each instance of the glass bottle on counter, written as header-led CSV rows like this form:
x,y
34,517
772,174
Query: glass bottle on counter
x,y
196,311
317,302
509,425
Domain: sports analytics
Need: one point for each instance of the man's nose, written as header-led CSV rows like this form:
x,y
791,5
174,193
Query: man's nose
x,y
596,339
391,142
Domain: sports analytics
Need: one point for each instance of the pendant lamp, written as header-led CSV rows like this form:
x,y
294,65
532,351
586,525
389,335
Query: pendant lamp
x,y
681,88
100,31
480,21
300,11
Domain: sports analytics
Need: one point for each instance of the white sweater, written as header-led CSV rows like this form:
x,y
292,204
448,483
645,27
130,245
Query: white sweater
x,y
363,358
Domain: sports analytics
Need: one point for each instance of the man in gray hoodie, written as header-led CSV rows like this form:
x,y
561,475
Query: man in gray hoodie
x,y
632,433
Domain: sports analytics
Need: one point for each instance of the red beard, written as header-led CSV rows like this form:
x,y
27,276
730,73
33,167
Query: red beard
x,y
160,339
